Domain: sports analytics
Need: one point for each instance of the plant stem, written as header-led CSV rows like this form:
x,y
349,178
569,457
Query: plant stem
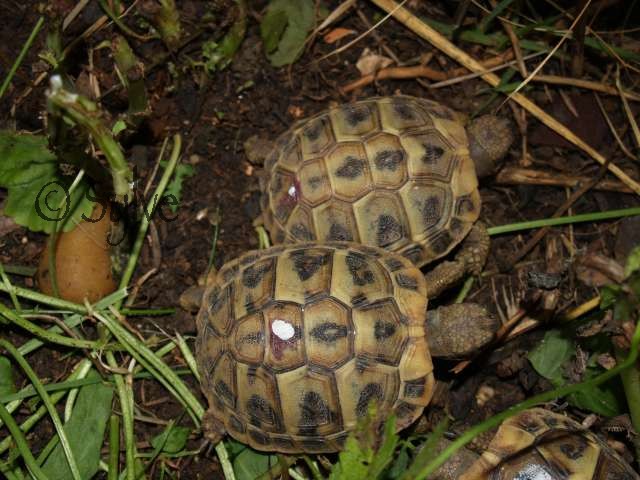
x,y
21,55
496,420
631,384
73,466
550,222
21,443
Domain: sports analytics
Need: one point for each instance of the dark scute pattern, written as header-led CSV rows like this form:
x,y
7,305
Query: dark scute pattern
x,y
236,424
230,273
550,421
575,448
383,330
313,130
529,424
306,265
393,264
359,269
430,211
253,338
405,409
464,205
282,442
414,388
224,392
301,232
432,153
370,392
313,412
254,274
356,115
414,253
441,242
456,225
351,168
407,281
328,332
259,437
260,411
339,233
389,230
315,181
404,111
359,300
216,300
389,159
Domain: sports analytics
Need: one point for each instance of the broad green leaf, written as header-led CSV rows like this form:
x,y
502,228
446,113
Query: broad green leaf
x,y
85,430
172,439
7,381
37,192
549,357
384,455
353,462
299,16
249,464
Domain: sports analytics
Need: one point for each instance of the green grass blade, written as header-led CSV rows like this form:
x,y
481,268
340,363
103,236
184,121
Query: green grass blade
x,y
496,420
47,403
552,222
21,55
21,443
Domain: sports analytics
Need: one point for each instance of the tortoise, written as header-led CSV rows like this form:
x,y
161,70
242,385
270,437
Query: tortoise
x,y
296,341
393,172
539,444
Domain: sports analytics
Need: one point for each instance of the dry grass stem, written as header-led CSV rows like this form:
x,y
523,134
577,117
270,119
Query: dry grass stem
x,y
439,41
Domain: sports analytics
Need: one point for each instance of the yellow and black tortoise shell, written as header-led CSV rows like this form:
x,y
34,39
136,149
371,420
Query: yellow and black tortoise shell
x,y
356,318
539,444
391,172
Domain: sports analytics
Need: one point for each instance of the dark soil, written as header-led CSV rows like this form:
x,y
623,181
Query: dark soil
x,y
216,114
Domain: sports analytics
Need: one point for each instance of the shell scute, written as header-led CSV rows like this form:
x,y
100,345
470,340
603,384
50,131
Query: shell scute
x,y
294,371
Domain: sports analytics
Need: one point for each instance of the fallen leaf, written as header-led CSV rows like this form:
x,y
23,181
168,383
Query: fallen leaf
x,y
370,62
337,33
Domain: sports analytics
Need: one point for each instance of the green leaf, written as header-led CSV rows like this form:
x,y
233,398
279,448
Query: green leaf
x,y
174,188
285,44
633,262
37,192
85,430
7,381
249,464
549,357
353,462
172,439
384,455
272,28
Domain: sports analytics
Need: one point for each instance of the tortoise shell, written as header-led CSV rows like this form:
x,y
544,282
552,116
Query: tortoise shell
x,y
294,343
539,444
391,172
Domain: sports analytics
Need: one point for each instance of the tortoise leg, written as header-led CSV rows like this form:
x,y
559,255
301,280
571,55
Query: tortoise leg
x,y
212,428
470,259
257,149
459,330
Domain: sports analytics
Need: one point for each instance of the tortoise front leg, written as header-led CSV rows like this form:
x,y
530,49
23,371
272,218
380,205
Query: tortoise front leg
x,y
459,330
470,259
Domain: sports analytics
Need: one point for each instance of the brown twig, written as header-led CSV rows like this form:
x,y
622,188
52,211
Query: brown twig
x,y
421,71
412,22
530,176
539,235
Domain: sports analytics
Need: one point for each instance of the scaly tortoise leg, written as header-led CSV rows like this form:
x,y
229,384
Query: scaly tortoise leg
x,y
459,330
470,259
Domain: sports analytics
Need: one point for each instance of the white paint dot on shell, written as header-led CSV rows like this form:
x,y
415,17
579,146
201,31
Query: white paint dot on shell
x,y
283,329
533,472
292,191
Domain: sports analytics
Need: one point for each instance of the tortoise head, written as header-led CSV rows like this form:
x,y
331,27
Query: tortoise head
x,y
489,140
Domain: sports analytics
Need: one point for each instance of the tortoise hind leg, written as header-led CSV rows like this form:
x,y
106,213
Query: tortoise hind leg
x,y
459,330
470,259
212,428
